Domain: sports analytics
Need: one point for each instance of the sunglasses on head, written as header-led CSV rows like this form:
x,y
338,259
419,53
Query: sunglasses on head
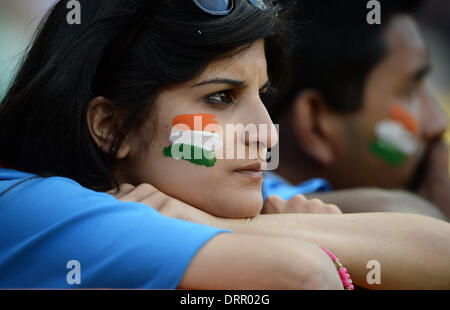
x,y
224,7
212,7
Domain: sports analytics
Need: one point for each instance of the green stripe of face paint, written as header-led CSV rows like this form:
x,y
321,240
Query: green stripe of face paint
x,y
196,155
388,153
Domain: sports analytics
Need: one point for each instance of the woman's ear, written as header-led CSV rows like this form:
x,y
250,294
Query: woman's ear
x,y
102,116
312,126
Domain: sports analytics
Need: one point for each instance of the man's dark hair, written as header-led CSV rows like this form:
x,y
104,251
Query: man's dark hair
x,y
336,49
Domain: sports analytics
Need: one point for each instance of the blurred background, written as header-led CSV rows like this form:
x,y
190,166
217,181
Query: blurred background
x,y
19,19
435,22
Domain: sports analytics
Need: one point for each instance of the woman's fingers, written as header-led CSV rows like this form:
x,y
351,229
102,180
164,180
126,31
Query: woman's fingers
x,y
123,190
274,205
144,193
166,205
318,206
151,196
333,209
298,204
138,193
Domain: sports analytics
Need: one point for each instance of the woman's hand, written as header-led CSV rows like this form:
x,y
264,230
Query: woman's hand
x,y
164,204
298,204
172,207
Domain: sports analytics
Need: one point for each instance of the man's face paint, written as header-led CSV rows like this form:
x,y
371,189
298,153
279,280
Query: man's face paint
x,y
194,138
396,137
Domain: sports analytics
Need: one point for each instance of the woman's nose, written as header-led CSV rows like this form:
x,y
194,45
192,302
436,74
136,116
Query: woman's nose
x,y
266,133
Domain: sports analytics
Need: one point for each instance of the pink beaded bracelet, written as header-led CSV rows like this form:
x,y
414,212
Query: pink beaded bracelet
x,y
345,276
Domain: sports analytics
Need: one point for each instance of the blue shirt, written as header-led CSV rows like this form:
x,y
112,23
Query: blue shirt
x,y
273,184
45,223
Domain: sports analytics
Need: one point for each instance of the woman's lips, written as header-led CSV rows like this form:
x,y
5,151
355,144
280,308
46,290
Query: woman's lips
x,y
253,170
252,174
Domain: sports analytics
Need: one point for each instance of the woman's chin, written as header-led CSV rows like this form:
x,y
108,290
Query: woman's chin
x,y
237,206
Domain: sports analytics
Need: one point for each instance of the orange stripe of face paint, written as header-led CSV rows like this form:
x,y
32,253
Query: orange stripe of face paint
x,y
398,113
189,120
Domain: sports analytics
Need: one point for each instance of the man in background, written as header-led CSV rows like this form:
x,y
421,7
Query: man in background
x,y
359,114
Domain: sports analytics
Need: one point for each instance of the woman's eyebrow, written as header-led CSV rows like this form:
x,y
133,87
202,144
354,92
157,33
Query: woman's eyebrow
x,y
231,82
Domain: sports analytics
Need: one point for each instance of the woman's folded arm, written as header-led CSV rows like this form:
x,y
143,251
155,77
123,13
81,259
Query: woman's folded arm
x,y
235,261
413,250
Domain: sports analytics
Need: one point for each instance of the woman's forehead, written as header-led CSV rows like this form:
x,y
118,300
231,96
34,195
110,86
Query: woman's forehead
x,y
246,66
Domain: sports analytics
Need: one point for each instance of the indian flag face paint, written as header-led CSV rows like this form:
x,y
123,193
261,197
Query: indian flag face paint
x,y
396,137
194,138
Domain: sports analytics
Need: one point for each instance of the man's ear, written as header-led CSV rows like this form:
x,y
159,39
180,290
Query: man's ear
x,y
101,116
312,126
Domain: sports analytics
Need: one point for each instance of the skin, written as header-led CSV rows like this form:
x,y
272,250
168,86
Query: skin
x,y
333,145
412,249
292,237
218,190
218,186
254,265
374,200
253,257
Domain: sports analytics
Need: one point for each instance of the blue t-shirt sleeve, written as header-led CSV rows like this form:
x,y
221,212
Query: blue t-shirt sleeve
x,y
46,223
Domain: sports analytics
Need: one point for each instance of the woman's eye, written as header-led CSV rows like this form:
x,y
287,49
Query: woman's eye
x,y
221,98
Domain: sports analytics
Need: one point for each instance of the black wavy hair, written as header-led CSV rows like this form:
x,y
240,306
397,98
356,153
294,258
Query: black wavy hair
x,y
126,51
335,49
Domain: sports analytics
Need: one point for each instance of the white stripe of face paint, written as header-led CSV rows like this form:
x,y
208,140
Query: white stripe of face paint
x,y
397,135
203,139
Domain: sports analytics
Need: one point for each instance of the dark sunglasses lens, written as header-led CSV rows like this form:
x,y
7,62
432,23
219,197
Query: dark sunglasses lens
x,y
214,6
259,4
